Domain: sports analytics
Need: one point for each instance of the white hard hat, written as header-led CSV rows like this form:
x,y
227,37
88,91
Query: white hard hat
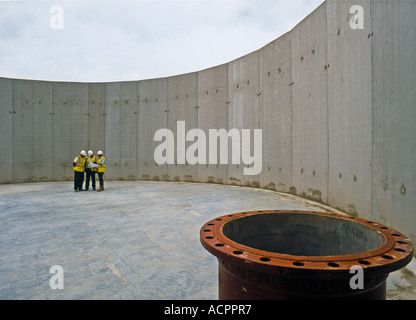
x,y
100,152
83,153
90,153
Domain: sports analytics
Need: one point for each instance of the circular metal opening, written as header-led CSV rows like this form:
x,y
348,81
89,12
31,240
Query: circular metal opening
x,y
302,235
293,254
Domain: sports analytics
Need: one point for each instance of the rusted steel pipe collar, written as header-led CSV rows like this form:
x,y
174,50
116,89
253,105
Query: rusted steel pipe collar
x,y
291,254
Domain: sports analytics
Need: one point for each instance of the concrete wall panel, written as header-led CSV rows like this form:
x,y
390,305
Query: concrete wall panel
x,y
6,130
69,126
349,110
394,112
310,109
153,116
122,112
213,114
276,114
32,131
96,117
182,106
243,110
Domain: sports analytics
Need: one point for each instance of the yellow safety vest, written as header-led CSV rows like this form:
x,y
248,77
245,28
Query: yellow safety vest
x,y
101,164
80,165
93,159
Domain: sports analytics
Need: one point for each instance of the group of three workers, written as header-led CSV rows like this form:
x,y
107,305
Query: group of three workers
x,y
90,164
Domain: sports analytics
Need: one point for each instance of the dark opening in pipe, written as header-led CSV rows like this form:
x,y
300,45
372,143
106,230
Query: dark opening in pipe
x,y
302,235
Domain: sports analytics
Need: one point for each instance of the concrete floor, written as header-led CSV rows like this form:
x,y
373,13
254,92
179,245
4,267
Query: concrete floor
x,y
135,240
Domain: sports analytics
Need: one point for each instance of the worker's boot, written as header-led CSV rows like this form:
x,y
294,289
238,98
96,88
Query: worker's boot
x,y
101,188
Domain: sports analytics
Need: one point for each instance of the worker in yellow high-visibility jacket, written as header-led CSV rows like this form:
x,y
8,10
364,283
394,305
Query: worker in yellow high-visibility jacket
x,y
79,168
101,169
91,169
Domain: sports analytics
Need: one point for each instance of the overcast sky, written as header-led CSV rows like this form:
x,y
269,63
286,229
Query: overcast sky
x,y
118,40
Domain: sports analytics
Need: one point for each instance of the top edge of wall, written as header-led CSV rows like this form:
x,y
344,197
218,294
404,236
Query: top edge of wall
x,y
181,74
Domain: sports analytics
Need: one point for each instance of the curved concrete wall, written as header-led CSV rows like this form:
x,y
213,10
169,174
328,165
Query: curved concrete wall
x,y
336,107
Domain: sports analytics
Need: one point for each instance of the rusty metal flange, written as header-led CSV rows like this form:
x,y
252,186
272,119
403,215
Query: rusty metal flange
x,y
390,251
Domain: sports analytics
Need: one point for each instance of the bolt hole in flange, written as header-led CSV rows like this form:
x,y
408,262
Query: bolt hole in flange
x,y
292,246
385,256
333,265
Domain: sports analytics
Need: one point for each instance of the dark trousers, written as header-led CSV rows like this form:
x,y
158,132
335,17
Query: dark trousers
x,y
100,177
90,175
78,180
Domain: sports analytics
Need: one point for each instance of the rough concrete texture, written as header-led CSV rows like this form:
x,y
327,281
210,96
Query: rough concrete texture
x,y
336,106
135,240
